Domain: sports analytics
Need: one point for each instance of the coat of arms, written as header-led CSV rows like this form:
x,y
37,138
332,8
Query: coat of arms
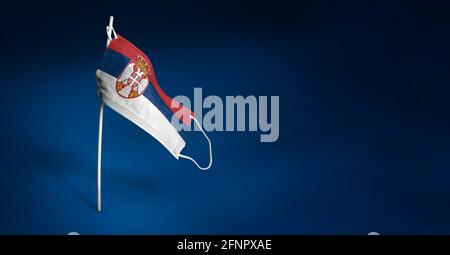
x,y
134,79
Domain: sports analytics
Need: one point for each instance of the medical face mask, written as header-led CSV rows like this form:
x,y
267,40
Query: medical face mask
x,y
127,84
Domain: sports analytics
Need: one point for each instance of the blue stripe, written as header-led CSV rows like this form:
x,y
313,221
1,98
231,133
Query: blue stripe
x,y
113,63
151,94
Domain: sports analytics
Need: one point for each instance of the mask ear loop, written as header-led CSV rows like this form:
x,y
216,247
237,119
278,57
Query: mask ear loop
x,y
109,34
210,148
114,32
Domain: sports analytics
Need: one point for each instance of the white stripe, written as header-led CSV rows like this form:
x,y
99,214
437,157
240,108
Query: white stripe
x,y
141,112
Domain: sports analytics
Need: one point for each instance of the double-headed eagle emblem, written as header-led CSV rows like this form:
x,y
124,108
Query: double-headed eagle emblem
x,y
134,79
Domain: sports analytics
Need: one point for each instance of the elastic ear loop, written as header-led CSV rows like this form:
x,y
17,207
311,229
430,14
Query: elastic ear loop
x,y
114,32
210,148
109,35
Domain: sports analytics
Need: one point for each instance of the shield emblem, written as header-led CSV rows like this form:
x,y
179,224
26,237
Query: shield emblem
x,y
134,79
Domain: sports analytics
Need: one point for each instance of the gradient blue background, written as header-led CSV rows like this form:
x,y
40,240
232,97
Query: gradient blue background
x,y
364,119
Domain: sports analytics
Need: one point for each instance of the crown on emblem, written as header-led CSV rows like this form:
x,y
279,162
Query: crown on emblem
x,y
143,66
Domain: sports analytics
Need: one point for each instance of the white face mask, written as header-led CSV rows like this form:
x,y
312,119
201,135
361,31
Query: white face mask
x,y
127,84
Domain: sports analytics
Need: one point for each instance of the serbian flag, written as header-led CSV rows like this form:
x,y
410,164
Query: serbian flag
x,y
127,83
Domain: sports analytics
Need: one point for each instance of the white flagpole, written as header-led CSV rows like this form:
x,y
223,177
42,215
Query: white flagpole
x,y
100,129
99,158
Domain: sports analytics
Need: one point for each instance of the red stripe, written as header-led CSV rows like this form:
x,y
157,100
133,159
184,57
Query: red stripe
x,y
126,48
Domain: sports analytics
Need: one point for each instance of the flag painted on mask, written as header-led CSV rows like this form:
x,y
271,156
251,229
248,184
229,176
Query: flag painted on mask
x,y
127,84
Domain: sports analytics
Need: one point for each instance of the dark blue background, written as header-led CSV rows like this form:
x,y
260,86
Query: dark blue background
x,y
364,119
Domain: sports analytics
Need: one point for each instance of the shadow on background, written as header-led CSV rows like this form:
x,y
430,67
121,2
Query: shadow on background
x,y
65,167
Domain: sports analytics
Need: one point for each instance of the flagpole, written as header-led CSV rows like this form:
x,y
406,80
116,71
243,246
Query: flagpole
x,y
100,131
99,158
